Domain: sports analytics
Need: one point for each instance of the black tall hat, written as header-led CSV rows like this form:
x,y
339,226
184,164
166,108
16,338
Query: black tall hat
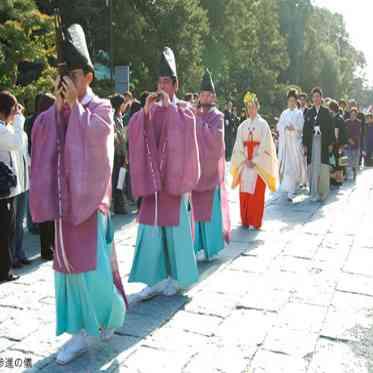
x,y
75,50
167,66
207,84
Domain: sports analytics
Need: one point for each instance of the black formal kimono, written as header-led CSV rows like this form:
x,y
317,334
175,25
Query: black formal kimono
x,y
324,120
318,155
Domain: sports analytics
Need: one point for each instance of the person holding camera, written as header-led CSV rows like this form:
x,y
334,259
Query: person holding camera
x,y
12,141
318,140
22,162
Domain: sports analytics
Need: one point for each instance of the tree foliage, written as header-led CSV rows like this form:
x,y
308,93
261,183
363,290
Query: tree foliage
x,y
261,45
319,48
245,49
25,35
141,30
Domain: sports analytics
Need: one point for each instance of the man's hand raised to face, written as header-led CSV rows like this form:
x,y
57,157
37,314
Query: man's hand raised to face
x,y
70,92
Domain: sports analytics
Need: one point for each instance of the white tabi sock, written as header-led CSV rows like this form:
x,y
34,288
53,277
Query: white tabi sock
x,y
74,347
172,288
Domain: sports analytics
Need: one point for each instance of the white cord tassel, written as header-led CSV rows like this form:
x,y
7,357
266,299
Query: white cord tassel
x,y
68,267
56,244
61,245
156,209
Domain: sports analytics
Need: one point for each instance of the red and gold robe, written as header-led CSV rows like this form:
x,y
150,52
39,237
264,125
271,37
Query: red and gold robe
x,y
254,142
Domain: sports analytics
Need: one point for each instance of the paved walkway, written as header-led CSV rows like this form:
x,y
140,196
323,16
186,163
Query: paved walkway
x,y
295,297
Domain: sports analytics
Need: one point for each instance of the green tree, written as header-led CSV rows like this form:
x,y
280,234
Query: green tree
x,y
330,59
245,49
293,17
92,15
25,35
141,30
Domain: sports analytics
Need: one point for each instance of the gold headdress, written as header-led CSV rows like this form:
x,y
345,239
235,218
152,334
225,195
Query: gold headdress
x,y
250,98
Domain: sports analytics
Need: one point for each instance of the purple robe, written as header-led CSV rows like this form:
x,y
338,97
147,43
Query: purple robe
x,y
210,136
72,160
164,159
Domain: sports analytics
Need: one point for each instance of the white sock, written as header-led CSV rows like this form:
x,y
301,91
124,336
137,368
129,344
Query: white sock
x,y
76,345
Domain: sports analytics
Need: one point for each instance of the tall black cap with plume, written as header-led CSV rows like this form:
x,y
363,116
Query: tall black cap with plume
x,y
207,84
167,66
74,49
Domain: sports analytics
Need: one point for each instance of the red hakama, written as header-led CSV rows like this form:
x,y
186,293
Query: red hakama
x,y
252,205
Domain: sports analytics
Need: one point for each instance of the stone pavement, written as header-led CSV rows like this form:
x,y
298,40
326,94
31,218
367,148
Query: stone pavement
x,y
295,297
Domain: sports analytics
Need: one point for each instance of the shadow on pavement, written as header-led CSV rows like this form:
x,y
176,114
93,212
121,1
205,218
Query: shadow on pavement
x,y
142,319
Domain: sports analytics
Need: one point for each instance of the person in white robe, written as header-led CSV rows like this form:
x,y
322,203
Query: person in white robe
x,y
293,165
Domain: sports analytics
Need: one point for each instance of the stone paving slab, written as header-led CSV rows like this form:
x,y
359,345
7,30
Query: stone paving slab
x,y
273,362
294,297
290,342
336,357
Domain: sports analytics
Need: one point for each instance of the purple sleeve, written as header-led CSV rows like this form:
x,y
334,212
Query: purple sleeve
x,y
88,158
145,177
211,151
43,180
171,166
183,165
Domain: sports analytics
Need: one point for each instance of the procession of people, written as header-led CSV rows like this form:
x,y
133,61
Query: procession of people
x,y
92,157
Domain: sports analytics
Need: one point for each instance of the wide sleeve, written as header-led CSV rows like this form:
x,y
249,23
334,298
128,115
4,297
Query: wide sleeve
x,y
211,150
238,157
11,137
281,125
43,180
182,164
142,152
299,122
88,158
265,159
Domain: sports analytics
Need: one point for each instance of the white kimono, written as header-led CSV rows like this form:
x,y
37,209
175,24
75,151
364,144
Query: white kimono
x,y
293,166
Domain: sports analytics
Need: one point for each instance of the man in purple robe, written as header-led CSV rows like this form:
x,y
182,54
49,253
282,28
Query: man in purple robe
x,y
163,154
209,199
72,160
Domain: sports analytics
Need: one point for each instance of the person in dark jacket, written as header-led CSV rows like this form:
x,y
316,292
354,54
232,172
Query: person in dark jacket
x,y
318,141
354,130
230,122
342,107
338,169
131,107
120,205
43,102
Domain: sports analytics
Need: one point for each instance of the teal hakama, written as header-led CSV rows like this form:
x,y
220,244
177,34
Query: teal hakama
x,y
90,300
209,234
163,252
